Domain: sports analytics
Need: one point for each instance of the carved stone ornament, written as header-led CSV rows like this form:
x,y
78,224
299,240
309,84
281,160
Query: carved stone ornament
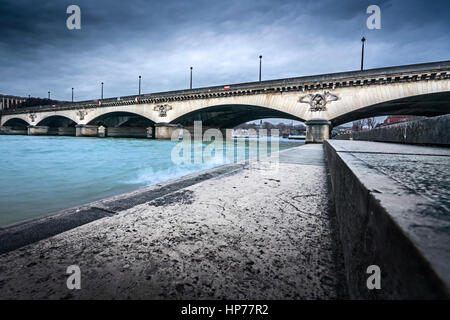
x,y
318,101
81,114
162,108
32,116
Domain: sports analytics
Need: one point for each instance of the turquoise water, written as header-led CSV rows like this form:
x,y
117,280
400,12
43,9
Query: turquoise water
x,y
40,175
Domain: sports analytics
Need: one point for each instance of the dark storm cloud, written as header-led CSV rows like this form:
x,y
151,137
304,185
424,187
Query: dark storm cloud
x,y
222,39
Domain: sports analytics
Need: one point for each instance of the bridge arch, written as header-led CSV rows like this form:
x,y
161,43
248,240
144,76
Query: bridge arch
x,y
121,119
429,98
16,123
284,104
143,110
124,124
22,116
230,115
57,121
432,104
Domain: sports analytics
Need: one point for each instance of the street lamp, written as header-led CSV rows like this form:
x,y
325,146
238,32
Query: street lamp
x,y
362,53
139,85
191,78
72,94
49,95
102,92
260,65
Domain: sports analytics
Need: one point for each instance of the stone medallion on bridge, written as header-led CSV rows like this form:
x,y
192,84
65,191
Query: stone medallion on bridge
x,y
32,117
81,114
162,108
318,101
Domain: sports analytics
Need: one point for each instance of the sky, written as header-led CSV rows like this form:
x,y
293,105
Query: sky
x,y
221,40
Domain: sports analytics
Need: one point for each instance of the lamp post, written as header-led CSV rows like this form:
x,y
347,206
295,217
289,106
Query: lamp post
x,y
49,95
362,53
102,93
72,94
139,86
191,79
260,65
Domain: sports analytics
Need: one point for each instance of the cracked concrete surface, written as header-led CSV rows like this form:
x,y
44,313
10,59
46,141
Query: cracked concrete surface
x,y
255,233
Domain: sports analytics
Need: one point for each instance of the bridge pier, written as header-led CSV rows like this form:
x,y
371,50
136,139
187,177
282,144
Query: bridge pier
x,y
61,131
129,132
101,131
165,130
203,130
85,130
317,130
37,130
11,130
50,131
150,132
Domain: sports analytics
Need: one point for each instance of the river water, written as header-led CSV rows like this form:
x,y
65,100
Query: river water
x,y
44,174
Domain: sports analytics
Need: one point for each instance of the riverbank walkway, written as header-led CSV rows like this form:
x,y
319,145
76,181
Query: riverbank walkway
x,y
249,231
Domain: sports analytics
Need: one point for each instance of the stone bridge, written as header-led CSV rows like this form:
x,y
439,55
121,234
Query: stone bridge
x,y
322,101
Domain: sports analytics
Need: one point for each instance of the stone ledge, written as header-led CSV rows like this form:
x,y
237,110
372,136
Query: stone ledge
x,y
382,222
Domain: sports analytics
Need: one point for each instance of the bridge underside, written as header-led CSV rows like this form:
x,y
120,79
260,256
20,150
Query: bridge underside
x,y
120,124
14,126
121,120
428,105
54,126
230,116
57,121
16,123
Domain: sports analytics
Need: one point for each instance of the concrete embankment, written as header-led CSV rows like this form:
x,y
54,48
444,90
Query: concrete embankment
x,y
252,230
392,204
431,131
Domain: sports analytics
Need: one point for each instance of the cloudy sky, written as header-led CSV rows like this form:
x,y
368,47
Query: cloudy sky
x,y
160,40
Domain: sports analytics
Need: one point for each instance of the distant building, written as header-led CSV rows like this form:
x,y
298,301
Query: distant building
x,y
357,126
13,102
9,102
342,130
396,119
